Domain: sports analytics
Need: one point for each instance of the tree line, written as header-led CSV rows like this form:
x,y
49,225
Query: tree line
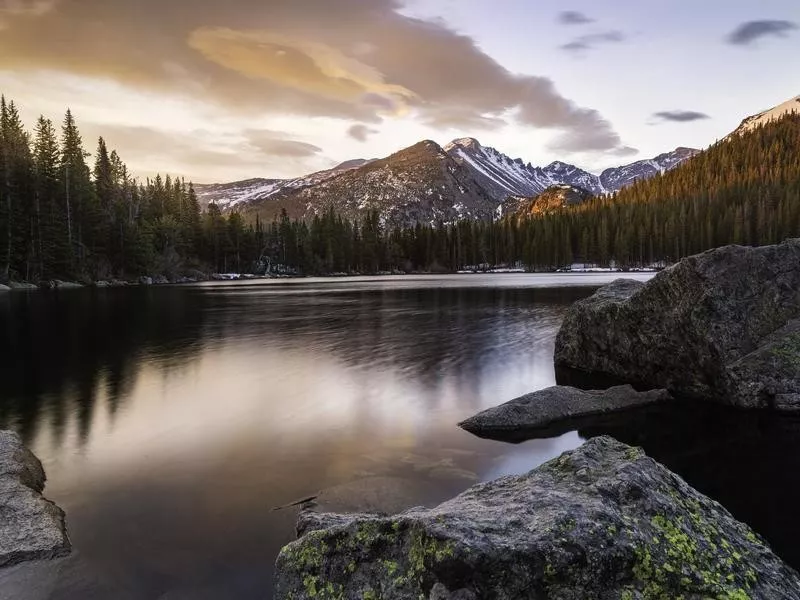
x,y
61,218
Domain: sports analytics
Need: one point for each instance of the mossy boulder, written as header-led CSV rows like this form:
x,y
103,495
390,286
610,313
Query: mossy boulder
x,y
603,521
722,326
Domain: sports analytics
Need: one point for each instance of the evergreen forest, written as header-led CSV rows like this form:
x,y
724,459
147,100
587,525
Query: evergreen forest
x,y
65,213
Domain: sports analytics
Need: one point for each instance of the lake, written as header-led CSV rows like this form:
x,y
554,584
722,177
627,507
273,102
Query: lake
x,y
172,420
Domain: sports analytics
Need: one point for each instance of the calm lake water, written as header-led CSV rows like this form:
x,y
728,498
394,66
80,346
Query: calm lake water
x,y
171,420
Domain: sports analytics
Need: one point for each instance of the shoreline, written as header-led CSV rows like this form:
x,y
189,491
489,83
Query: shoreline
x,y
59,285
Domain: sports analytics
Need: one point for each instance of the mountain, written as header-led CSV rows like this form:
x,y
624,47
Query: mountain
x,y
425,183
549,201
503,176
613,180
229,195
422,183
773,114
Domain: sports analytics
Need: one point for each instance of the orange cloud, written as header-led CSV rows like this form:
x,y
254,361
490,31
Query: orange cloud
x,y
357,60
300,64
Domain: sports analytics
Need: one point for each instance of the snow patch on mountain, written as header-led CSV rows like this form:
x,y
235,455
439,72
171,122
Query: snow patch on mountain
x,y
473,171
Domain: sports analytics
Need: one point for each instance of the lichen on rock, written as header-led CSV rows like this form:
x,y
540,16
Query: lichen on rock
x,y
604,521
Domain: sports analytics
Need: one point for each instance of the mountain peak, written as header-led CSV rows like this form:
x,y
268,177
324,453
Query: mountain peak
x,y
467,143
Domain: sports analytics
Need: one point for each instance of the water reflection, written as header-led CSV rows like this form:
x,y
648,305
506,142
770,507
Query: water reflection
x,y
171,420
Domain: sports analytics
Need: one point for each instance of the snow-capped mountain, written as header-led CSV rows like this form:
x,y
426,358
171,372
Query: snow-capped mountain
x,y
613,180
762,118
499,174
229,195
504,176
421,183
425,183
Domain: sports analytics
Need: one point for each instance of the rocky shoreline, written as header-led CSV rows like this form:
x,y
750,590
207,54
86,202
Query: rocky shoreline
x,y
603,521
31,527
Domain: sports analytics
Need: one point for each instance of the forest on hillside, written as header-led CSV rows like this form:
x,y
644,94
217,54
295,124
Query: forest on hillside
x,y
745,190
62,218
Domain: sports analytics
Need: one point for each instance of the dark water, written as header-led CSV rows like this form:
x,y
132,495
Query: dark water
x,y
171,420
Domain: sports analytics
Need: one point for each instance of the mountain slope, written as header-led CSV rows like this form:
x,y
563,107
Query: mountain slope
x,y
762,118
394,184
503,176
418,184
551,200
230,195
745,190
613,180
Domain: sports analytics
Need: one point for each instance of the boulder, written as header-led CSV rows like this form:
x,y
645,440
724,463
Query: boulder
x,y
722,325
603,521
4,288
144,280
31,527
554,406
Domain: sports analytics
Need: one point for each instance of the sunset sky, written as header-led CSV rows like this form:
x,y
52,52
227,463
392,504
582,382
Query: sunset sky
x,y
217,91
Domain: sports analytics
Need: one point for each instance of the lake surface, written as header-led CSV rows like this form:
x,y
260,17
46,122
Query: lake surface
x,y
171,420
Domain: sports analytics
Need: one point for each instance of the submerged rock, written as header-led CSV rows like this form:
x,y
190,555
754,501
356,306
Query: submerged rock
x,y
603,521
552,406
722,325
31,527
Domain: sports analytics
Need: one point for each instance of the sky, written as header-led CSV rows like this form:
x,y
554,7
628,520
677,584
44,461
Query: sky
x,y
220,91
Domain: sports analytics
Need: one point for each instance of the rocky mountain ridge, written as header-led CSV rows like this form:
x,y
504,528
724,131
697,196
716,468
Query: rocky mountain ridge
x,y
424,183
471,181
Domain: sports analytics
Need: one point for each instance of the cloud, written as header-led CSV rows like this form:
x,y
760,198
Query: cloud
x,y
360,132
573,17
587,42
752,31
202,155
300,64
358,60
586,130
680,116
10,9
276,144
